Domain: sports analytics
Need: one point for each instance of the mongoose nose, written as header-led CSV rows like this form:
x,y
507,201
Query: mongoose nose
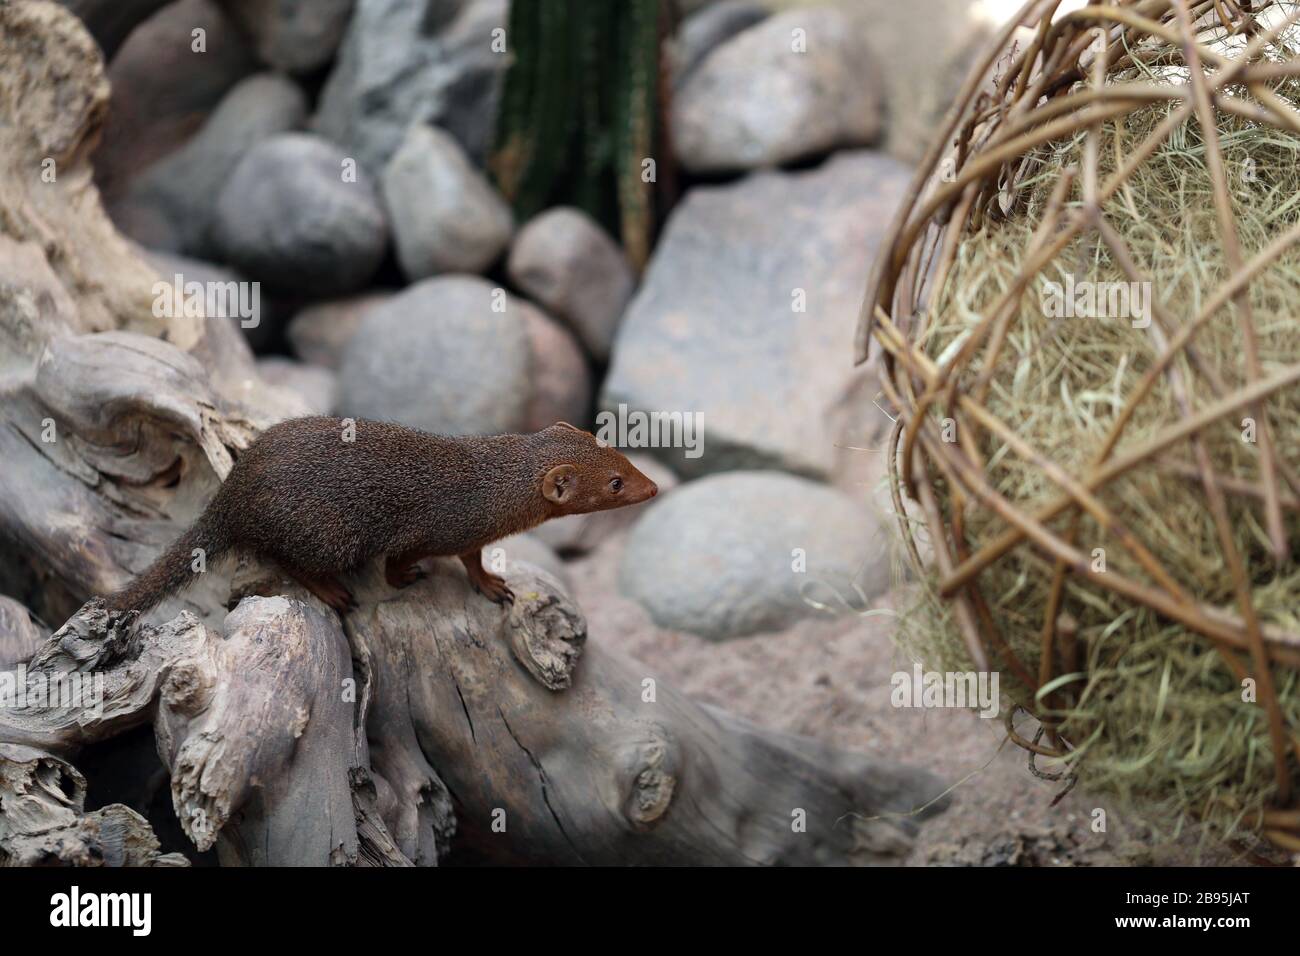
x,y
654,489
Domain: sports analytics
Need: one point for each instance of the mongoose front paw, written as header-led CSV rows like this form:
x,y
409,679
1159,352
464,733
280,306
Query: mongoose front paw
x,y
494,589
491,586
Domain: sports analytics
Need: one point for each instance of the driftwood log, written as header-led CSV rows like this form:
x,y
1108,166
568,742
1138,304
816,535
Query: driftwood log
x,y
292,738
245,722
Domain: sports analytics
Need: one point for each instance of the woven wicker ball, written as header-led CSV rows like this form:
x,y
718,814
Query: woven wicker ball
x,y
1087,315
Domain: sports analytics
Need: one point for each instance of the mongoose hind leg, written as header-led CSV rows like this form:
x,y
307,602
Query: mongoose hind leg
x,y
326,587
401,570
485,582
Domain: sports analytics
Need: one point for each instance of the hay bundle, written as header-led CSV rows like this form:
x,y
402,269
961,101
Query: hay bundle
x,y
1090,322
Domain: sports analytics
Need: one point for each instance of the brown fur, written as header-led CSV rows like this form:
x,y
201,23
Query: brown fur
x,y
318,506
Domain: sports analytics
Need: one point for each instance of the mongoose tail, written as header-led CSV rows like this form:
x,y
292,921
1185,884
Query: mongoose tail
x,y
172,571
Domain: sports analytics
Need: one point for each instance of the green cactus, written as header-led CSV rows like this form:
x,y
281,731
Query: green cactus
x,y
581,113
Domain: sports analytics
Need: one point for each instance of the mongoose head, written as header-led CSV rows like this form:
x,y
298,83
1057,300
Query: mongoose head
x,y
583,474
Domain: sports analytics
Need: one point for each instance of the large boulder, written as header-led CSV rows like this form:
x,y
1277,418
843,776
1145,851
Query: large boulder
x,y
439,356
717,328
296,36
319,333
164,88
111,21
561,381
316,386
446,216
796,85
925,60
407,61
706,29
170,205
290,217
738,554
564,260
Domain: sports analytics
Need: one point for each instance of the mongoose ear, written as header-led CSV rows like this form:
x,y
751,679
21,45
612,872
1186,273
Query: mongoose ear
x,y
560,484
580,431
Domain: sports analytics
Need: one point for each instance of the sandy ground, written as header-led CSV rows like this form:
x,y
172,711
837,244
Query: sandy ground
x,y
830,679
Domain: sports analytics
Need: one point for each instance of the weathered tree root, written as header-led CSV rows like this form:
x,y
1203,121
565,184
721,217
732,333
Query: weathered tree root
x,y
277,757
43,820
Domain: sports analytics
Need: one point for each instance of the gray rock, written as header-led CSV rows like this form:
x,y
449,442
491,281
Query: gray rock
x,y
718,558
319,333
564,260
561,381
296,36
111,21
579,534
709,27
163,88
182,188
316,386
438,357
446,217
757,101
713,328
407,61
286,216
925,61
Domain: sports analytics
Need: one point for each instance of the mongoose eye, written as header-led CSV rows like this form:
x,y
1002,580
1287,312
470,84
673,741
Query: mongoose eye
x,y
616,484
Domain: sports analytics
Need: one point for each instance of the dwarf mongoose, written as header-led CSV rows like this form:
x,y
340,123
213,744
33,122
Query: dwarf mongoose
x,y
320,506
